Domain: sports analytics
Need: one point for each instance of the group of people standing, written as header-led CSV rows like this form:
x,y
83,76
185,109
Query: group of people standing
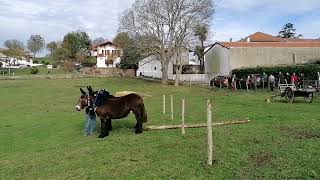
x,y
265,81
286,79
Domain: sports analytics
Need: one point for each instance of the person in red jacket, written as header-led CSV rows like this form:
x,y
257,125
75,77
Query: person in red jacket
x,y
294,79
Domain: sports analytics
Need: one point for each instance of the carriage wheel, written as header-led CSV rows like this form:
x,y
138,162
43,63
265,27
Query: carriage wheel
x,y
289,94
308,98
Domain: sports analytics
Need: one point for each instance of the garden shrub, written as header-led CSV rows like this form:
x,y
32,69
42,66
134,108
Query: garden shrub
x,y
309,70
34,71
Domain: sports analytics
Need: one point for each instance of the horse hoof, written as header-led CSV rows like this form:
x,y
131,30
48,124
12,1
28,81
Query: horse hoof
x,y
138,131
103,135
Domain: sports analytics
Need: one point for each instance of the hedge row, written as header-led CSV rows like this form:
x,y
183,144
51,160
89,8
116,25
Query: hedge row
x,y
309,70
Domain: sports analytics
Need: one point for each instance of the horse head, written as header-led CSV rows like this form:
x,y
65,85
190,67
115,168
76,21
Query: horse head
x,y
85,99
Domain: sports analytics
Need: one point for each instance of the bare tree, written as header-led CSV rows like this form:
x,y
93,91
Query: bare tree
x,y
98,41
161,27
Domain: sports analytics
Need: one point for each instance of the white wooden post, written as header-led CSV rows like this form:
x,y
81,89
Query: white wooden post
x,y
182,127
164,104
171,103
209,127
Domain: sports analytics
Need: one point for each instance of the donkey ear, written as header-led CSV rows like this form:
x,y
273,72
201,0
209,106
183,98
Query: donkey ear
x,y
90,90
83,92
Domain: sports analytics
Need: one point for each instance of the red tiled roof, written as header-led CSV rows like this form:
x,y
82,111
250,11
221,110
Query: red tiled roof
x,y
301,40
269,44
263,37
107,42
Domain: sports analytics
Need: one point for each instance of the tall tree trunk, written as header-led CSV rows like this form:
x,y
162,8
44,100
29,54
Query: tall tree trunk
x,y
164,71
178,74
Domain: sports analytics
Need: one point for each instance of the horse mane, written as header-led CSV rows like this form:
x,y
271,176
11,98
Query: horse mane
x,y
101,97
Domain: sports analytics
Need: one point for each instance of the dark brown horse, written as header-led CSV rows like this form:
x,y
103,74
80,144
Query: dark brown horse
x,y
112,107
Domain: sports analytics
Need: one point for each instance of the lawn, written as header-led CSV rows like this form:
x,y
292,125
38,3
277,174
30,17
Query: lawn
x,y
41,135
27,71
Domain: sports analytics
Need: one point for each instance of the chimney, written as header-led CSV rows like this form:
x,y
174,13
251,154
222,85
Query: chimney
x,y
248,39
230,39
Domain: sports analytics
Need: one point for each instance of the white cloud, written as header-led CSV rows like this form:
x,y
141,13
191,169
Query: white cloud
x,y
53,19
234,18
280,7
237,19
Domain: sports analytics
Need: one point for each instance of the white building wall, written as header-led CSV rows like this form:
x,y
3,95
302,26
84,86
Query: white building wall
x,y
151,67
101,61
217,62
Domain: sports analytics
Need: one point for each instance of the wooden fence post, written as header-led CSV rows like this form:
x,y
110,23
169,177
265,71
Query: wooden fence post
x,y
171,103
209,127
164,104
182,114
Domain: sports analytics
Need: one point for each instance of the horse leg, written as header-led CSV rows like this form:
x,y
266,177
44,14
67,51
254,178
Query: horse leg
x,y
138,126
104,131
109,125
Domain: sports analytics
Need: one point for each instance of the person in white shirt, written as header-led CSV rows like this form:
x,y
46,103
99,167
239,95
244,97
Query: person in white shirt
x,y
271,82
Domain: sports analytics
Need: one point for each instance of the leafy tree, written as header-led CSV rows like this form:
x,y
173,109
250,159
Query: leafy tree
x,y
75,42
60,54
201,31
13,44
15,48
82,57
98,41
131,57
35,44
52,46
122,39
288,31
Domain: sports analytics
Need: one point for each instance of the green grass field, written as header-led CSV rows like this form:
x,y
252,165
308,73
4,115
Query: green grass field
x,y
27,71
41,135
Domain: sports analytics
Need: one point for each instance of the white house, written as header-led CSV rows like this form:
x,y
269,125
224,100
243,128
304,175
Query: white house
x,y
108,54
15,63
151,67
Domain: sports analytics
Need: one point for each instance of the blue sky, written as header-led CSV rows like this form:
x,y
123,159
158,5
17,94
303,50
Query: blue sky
x,y
233,18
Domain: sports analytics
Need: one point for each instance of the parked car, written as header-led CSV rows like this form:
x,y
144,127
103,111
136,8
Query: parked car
x,y
223,80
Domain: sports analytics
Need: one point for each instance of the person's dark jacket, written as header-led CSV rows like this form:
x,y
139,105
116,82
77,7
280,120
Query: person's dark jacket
x,y
282,79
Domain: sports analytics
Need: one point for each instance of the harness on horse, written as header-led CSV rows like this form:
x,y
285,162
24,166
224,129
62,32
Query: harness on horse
x,y
101,96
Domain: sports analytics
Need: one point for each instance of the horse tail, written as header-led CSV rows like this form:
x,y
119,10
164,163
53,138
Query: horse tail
x,y
144,114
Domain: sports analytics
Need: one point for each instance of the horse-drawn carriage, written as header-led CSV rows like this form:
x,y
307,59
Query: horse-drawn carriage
x,y
291,91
